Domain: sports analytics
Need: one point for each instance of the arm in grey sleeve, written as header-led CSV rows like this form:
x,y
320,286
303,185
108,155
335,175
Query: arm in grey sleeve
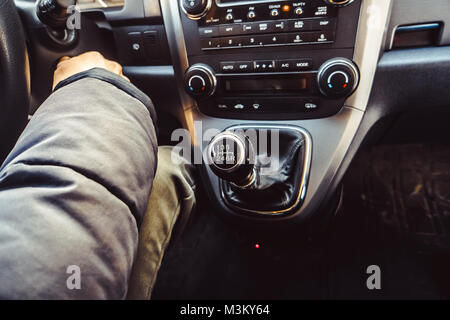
x,y
74,189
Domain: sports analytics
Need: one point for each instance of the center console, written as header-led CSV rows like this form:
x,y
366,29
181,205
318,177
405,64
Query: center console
x,y
270,59
249,71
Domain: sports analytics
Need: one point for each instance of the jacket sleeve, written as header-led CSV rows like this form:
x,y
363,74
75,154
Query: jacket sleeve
x,y
74,189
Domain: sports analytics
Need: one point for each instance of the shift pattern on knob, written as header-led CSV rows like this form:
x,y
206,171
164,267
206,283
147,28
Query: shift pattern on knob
x,y
227,152
232,158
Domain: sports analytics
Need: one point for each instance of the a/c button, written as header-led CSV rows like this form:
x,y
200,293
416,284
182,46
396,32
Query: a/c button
x,y
294,65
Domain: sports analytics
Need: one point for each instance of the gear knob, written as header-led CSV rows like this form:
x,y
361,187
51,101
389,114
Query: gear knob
x,y
231,157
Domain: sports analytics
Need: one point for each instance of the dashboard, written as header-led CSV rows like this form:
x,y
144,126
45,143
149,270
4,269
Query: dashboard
x,y
336,80
336,69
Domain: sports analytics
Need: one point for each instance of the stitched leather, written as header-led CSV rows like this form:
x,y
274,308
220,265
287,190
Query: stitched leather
x,y
277,190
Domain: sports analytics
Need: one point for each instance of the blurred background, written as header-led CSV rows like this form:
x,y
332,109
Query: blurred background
x,y
89,4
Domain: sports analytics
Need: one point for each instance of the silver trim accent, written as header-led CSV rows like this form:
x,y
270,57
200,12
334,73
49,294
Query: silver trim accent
x,y
304,176
199,15
336,62
370,44
407,12
177,46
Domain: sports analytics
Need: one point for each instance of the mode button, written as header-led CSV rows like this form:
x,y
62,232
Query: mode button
x,y
294,65
301,65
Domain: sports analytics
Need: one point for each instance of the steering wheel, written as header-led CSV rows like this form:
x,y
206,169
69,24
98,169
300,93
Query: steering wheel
x,y
14,75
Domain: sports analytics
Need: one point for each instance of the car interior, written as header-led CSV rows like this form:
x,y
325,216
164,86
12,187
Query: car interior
x,y
356,91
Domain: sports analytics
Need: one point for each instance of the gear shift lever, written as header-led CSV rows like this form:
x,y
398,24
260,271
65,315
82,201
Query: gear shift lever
x,y
232,158
271,180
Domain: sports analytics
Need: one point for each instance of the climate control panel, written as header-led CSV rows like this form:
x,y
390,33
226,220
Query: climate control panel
x,y
270,59
270,93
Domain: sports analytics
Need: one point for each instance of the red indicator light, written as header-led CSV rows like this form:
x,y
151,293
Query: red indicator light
x,y
286,8
257,246
344,86
203,88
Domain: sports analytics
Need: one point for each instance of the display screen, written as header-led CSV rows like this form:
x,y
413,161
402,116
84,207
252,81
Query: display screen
x,y
269,85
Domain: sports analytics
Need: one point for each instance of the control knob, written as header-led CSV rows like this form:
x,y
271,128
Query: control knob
x,y
274,13
338,78
200,81
298,11
195,9
231,157
338,3
251,14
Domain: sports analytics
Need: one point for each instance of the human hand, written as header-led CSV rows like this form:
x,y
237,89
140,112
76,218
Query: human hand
x,y
68,67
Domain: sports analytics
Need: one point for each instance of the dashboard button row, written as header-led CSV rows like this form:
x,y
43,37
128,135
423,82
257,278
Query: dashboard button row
x,y
268,40
246,105
268,11
266,65
268,27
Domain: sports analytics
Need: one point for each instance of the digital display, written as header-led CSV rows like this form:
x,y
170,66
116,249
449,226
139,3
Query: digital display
x,y
269,85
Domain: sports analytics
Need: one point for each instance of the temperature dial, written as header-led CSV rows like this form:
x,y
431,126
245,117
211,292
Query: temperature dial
x,y
338,78
200,81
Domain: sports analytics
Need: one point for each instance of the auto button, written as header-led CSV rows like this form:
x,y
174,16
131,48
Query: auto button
x,y
227,67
